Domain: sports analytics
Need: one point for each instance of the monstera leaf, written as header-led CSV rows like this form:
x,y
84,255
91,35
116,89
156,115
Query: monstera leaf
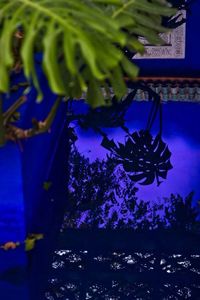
x,y
81,42
143,157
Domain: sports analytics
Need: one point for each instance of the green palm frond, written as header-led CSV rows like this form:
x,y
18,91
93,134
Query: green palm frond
x,y
81,41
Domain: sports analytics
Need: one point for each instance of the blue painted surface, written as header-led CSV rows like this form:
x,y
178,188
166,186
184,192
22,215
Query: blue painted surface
x,y
12,225
23,209
38,156
22,174
13,275
35,167
181,133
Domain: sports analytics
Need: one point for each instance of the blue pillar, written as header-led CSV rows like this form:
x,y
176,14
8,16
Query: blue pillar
x,y
13,281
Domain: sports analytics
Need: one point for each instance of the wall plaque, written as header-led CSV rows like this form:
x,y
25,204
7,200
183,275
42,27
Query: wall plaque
x,y
174,46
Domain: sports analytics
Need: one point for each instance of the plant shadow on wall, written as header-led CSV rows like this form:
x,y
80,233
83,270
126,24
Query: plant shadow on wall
x,y
103,196
145,158
103,193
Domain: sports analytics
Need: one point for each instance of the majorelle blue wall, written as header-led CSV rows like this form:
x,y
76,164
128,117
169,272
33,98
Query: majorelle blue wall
x,y
25,167
23,171
11,195
28,166
190,66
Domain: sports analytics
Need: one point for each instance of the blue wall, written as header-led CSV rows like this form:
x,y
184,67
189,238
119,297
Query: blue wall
x,y
22,174
33,165
12,225
12,222
23,171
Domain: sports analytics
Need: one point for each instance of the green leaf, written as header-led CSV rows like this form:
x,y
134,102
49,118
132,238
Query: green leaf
x,y
130,68
27,54
4,77
135,45
6,40
69,43
50,60
89,54
153,8
82,41
106,2
118,84
149,34
94,94
126,20
148,22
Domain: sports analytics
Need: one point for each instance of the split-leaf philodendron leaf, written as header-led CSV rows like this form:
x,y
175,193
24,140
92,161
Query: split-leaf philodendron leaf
x,y
81,42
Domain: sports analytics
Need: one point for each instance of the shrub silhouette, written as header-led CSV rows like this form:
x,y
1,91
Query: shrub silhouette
x,y
103,196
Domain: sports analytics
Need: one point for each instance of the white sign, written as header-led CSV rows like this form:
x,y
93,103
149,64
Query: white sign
x,y
174,46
